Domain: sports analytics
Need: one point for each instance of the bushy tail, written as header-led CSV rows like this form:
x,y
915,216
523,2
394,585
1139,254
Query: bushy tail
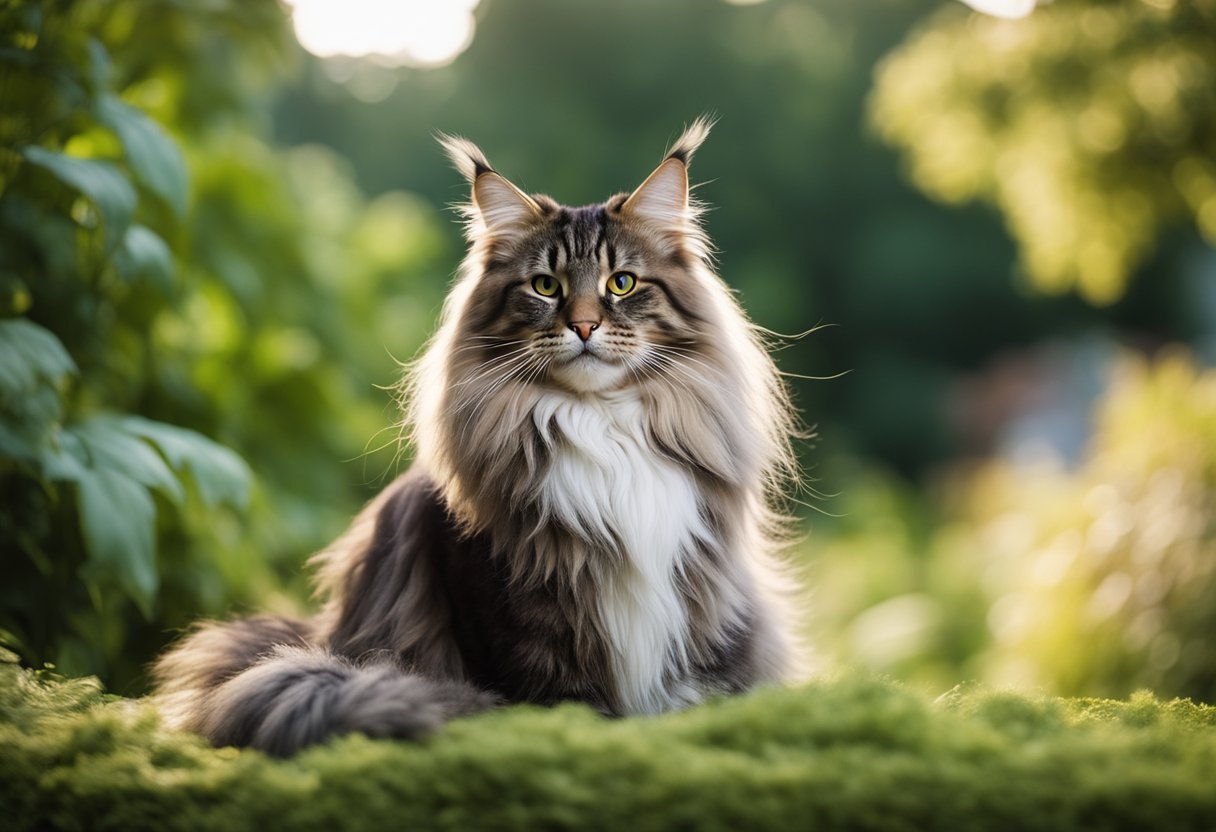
x,y
258,682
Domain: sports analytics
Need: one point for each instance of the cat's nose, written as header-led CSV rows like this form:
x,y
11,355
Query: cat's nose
x,y
583,329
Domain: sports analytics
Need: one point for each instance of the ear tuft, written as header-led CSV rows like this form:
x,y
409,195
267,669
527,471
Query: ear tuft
x,y
691,139
466,157
663,198
497,206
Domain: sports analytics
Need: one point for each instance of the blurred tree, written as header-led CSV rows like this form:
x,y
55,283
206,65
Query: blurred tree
x,y
1090,124
1103,580
164,276
1094,580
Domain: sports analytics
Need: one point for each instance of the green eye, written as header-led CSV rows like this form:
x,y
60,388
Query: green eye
x,y
546,285
622,283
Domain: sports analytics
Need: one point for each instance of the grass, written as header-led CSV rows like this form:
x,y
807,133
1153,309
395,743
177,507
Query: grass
x,y
849,752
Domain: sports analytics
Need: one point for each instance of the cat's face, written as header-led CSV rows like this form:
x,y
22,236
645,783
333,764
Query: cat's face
x,y
586,299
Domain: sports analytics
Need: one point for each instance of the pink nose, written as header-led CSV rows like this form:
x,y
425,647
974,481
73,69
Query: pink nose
x,y
584,328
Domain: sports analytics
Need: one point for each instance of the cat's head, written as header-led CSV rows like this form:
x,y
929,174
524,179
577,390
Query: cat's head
x,y
616,298
588,299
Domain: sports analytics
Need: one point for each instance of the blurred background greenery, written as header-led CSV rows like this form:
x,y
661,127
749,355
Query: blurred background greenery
x,y
216,246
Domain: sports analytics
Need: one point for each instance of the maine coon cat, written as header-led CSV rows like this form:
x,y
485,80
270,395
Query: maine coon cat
x,y
599,438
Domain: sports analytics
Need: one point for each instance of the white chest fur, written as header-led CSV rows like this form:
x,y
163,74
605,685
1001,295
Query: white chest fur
x,y
607,482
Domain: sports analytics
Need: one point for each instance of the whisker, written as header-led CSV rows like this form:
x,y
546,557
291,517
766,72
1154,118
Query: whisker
x,y
677,366
772,332
841,374
507,362
522,374
487,341
515,351
666,371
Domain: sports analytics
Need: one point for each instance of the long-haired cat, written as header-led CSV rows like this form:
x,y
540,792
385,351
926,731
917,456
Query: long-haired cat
x,y
599,439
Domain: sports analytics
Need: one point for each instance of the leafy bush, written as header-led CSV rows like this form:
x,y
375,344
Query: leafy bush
x,y
1103,579
881,592
1094,579
166,276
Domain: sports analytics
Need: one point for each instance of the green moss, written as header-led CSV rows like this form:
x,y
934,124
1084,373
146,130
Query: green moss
x,y
843,753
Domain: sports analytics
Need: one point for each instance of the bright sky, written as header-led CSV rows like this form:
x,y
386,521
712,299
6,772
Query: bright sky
x,y
1003,8
431,33
422,33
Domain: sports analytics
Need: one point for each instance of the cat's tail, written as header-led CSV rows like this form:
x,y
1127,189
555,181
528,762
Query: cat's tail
x,y
259,682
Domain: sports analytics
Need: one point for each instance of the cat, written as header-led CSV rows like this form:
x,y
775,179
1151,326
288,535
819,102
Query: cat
x,y
601,439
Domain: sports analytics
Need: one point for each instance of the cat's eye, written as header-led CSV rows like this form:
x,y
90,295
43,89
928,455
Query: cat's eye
x,y
622,283
545,285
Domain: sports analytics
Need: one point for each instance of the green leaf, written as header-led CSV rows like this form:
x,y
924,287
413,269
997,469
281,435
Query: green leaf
x,y
103,184
47,239
27,428
30,355
99,64
111,447
118,523
145,256
64,457
33,364
153,156
19,441
220,474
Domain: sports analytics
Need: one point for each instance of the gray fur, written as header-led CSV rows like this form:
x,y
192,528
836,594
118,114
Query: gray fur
x,y
295,697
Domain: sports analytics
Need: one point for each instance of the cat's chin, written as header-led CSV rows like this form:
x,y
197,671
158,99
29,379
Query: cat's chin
x,y
587,374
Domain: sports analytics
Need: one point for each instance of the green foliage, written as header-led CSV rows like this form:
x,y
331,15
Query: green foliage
x,y
166,276
882,595
102,183
1091,125
34,367
1103,579
1093,580
81,480
154,159
850,753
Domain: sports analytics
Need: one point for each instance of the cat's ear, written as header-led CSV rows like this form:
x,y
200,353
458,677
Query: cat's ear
x,y
663,198
497,206
502,206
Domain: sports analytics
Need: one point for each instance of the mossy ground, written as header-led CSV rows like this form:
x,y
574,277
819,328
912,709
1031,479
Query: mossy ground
x,y
845,753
